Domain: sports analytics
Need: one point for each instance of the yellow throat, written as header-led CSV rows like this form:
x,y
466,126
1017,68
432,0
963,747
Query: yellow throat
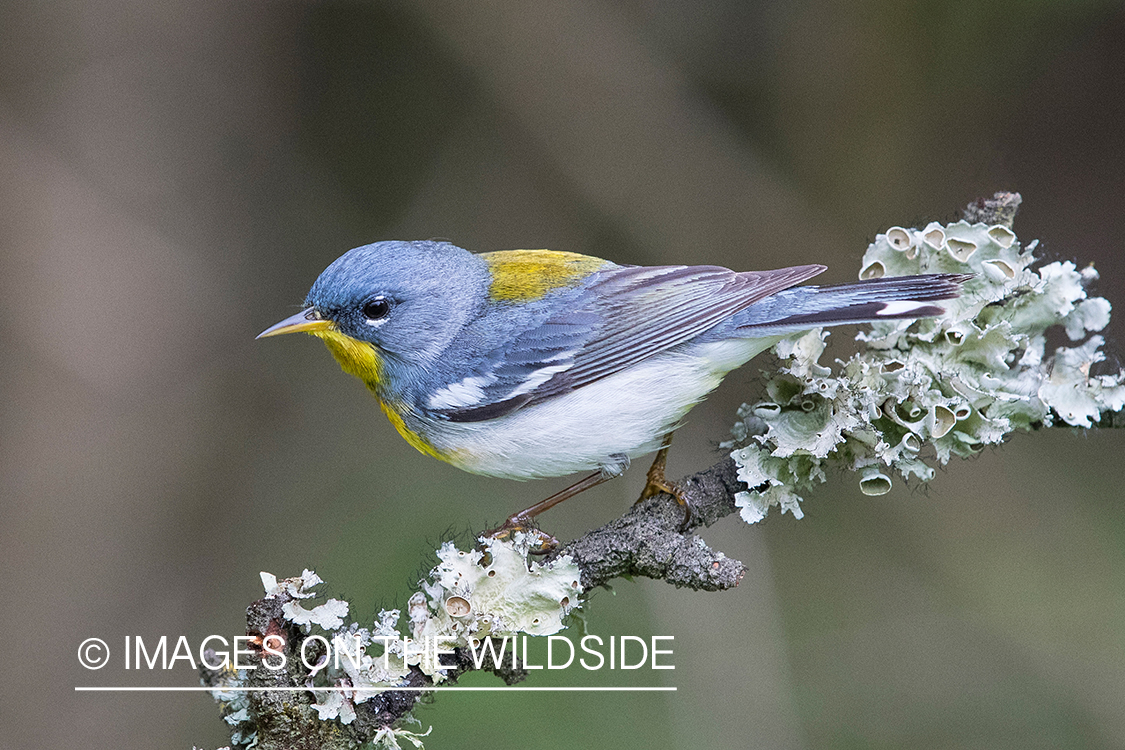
x,y
361,359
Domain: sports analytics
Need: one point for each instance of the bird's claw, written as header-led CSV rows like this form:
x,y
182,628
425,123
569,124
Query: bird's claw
x,y
656,484
541,541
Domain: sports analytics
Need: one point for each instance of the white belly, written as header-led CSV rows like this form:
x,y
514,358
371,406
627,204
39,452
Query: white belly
x,y
627,413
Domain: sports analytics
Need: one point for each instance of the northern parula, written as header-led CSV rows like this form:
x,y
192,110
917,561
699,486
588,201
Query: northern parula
x,y
537,363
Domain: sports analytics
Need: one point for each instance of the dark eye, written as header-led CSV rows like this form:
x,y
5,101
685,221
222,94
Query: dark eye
x,y
376,309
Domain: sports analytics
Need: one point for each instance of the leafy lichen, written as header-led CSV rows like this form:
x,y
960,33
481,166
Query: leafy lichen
x,y
927,390
494,589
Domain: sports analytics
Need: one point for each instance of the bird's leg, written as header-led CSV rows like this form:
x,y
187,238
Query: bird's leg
x,y
519,521
656,483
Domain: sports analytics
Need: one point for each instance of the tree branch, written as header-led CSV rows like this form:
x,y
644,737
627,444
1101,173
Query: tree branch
x,y
911,389
647,540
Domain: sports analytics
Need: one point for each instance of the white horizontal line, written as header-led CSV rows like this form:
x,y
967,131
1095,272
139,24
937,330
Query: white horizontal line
x,y
191,689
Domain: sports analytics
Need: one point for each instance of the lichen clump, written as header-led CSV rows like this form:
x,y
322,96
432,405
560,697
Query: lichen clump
x,y
495,589
926,390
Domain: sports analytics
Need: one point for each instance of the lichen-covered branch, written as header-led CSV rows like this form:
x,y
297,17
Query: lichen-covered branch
x,y
925,391
920,393
472,603
647,541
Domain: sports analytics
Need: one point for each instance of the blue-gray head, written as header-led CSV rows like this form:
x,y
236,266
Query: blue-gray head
x,y
407,298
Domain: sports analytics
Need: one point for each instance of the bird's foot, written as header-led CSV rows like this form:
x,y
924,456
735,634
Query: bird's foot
x,y
541,542
522,521
656,483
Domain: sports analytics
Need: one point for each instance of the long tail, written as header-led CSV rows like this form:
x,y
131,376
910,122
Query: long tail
x,y
801,308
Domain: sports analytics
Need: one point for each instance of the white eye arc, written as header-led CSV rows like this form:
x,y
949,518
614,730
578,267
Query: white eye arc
x,y
376,310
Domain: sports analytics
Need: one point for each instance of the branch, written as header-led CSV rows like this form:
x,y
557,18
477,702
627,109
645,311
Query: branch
x,y
920,393
647,540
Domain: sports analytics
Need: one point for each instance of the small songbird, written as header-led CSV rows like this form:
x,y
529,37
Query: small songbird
x,y
536,363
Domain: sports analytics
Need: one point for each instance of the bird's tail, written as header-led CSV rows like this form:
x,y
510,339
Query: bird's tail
x,y
802,308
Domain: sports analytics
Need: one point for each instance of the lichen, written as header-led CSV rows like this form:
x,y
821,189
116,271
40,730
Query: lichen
x,y
494,589
925,391
503,594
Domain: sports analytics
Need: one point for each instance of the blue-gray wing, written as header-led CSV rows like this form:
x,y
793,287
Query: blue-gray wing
x,y
622,316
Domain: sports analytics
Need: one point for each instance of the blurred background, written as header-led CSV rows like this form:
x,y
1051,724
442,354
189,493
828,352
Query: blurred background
x,y
175,174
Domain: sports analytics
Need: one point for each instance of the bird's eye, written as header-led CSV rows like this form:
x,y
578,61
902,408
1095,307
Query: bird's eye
x,y
376,309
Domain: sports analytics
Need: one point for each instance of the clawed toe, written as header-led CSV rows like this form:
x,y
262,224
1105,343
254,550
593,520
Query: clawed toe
x,y
542,541
657,484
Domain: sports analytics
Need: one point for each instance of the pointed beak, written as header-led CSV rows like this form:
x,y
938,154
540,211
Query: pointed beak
x,y
308,320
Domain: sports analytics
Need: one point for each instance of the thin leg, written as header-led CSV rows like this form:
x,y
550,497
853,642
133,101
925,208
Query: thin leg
x,y
519,521
656,483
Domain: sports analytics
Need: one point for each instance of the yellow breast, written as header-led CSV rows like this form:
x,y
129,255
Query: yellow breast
x,y
361,359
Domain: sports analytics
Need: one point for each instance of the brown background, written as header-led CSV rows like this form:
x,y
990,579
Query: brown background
x,y
175,174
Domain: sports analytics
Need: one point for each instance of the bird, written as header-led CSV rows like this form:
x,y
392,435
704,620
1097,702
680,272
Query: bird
x,y
525,364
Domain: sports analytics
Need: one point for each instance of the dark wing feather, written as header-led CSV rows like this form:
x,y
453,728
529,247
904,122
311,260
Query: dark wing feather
x,y
624,315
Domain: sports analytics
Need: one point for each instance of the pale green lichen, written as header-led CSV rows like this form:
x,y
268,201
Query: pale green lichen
x,y
927,390
495,589
491,590
327,616
388,737
505,595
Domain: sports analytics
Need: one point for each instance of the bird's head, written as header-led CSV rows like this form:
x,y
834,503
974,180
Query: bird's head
x,y
403,300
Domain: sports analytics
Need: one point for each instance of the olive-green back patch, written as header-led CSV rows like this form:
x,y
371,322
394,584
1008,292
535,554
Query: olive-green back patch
x,y
525,275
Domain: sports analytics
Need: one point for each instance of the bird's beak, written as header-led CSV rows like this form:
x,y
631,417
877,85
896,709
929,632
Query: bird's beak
x,y
309,321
